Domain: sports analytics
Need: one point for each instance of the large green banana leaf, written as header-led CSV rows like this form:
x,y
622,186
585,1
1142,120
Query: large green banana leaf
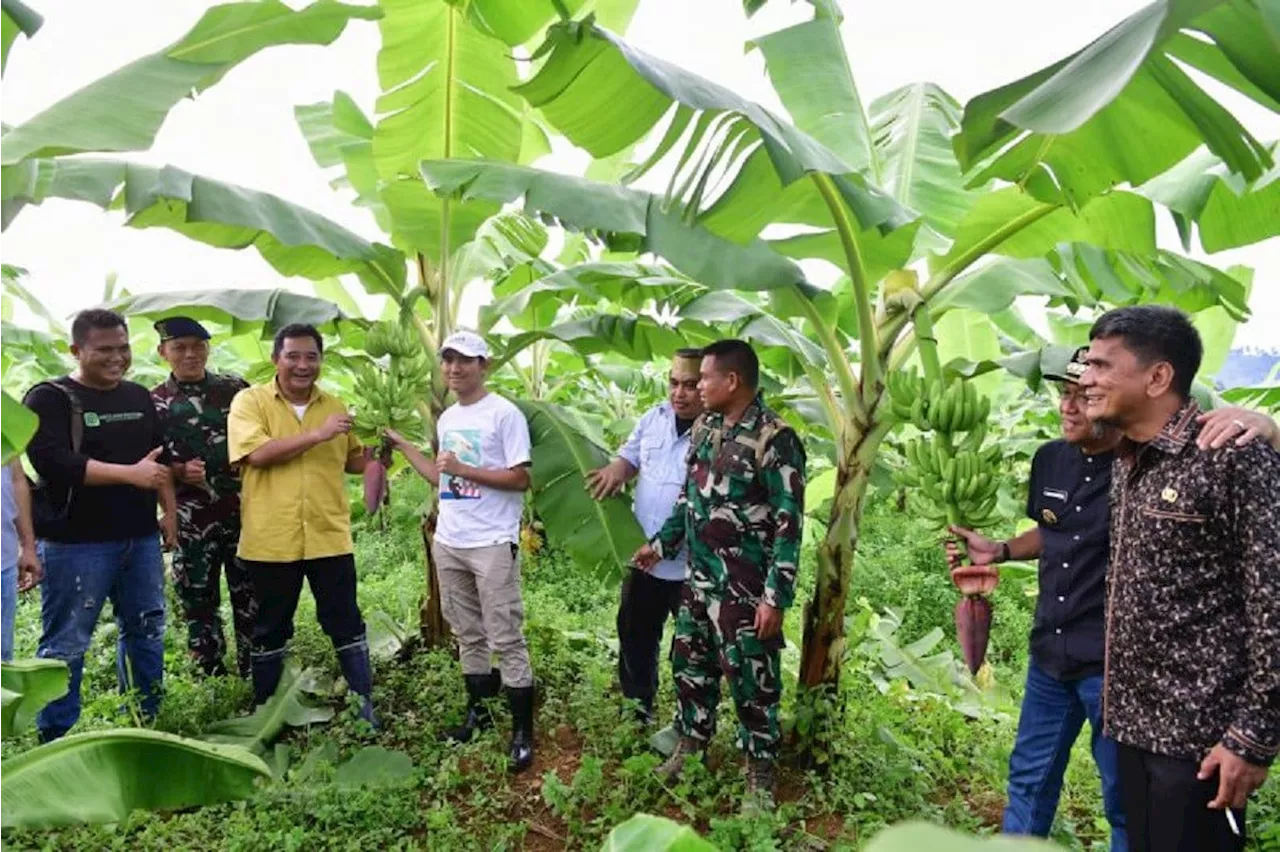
x,y
1228,213
124,110
16,17
913,126
446,92
601,536
637,338
262,311
630,219
103,776
648,833
19,424
294,240
28,684
605,95
809,70
340,134
1122,221
1121,110
914,836
287,707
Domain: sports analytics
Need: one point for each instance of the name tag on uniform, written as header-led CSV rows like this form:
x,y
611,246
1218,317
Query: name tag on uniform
x,y
1056,494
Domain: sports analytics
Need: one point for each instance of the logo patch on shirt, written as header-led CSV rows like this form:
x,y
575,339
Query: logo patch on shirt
x,y
1056,494
1168,495
1049,516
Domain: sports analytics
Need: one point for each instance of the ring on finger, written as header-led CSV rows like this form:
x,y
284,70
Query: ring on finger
x,y
1240,423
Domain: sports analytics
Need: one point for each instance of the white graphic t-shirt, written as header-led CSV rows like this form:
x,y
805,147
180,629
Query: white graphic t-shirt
x,y
490,434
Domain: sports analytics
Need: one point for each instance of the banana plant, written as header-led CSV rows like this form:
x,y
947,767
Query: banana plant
x,y
918,182
446,71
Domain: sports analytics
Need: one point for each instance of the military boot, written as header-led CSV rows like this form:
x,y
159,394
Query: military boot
x,y
267,670
480,688
759,795
672,767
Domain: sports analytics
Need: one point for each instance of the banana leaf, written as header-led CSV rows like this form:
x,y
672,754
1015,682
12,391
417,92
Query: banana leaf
x,y
648,833
286,708
16,18
28,684
18,426
600,536
103,776
913,836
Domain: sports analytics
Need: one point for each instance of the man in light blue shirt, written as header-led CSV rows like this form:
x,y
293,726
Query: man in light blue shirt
x,y
21,564
656,452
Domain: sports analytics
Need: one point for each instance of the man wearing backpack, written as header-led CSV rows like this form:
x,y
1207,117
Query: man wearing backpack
x,y
97,453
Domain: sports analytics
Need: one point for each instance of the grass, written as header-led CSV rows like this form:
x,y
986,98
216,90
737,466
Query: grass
x,y
901,753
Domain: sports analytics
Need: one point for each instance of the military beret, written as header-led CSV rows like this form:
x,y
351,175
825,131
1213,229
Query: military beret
x,y
171,327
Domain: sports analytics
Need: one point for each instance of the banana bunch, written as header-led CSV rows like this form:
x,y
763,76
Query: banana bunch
x,y
937,404
391,338
389,396
948,487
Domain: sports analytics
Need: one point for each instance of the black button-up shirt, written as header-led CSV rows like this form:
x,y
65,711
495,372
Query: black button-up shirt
x,y
1069,499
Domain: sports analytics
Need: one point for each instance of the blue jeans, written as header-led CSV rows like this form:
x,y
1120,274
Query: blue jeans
x,y
78,580
9,605
1053,712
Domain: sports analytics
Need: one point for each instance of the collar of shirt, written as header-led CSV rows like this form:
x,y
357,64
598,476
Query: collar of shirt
x,y
749,420
176,387
317,394
1173,437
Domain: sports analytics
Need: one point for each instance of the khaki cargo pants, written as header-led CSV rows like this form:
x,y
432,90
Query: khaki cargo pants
x,y
480,596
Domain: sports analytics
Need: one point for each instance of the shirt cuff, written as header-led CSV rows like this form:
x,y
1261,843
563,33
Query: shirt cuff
x,y
1247,748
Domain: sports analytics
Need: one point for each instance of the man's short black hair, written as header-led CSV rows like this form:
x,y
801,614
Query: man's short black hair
x,y
294,330
92,318
736,356
1156,333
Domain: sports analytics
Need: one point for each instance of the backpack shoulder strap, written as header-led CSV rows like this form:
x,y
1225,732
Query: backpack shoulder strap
x,y
76,426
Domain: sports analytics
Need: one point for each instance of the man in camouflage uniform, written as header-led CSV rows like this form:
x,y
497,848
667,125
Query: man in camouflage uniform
x,y
740,513
192,405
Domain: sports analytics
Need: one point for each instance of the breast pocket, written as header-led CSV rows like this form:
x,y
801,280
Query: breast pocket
x,y
662,460
1180,545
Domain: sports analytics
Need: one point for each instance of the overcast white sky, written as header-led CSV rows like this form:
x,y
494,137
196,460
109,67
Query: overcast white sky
x,y
243,131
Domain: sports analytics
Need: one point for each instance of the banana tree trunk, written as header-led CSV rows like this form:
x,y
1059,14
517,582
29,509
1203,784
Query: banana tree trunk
x,y
823,644
432,626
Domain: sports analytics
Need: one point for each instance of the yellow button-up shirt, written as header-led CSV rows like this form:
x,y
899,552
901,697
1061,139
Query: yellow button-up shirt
x,y
296,509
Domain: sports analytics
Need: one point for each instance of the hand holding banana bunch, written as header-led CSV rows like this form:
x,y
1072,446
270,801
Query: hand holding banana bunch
x,y
953,481
388,400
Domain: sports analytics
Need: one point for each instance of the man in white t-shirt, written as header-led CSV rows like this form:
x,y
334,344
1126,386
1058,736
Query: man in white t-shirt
x,y
481,471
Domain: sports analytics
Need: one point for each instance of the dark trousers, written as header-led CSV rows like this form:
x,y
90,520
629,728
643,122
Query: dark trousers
x,y
277,586
646,604
1166,806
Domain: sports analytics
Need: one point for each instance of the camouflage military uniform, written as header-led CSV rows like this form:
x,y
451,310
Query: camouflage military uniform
x,y
741,511
195,423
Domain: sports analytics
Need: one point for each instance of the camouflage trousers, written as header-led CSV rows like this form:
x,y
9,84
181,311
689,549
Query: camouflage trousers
x,y
715,635
197,569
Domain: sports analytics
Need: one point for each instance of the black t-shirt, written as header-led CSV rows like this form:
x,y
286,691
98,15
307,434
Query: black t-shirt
x,y
1069,498
120,427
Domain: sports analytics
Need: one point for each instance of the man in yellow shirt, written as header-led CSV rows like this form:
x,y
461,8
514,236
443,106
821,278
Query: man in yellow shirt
x,y
293,442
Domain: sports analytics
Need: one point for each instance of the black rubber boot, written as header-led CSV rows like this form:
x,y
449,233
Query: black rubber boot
x,y
267,670
356,668
520,699
480,689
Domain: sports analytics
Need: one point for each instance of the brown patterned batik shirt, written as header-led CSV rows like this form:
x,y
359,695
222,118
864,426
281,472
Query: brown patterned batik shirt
x,y
1193,601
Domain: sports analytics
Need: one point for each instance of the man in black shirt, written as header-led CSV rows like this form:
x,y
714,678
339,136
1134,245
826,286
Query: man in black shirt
x,y
97,453
1068,498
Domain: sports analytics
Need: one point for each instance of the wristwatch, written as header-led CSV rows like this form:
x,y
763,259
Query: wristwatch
x,y
1005,556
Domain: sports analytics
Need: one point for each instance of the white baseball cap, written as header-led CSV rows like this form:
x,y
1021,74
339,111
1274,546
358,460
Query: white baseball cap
x,y
466,343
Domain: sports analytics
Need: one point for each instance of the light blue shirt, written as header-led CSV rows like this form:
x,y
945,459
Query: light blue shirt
x,y
658,453
8,524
